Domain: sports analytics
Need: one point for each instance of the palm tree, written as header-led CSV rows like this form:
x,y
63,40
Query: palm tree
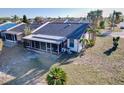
x,y
56,76
116,18
92,33
95,17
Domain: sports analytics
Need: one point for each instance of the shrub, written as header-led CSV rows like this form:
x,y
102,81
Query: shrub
x,y
102,24
56,76
90,43
115,42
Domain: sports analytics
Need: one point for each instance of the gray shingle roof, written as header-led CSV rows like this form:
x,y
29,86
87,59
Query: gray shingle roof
x,y
63,29
21,28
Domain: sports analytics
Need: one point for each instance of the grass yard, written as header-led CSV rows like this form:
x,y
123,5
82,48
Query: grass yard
x,y
95,67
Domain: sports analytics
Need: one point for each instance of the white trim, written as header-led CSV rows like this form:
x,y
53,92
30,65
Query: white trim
x,y
40,27
5,23
43,40
15,26
11,41
30,37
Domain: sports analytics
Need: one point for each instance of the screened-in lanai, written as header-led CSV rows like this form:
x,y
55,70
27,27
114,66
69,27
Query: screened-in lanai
x,y
51,44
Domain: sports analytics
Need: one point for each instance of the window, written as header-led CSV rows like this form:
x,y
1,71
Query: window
x,y
9,37
43,45
71,43
27,43
37,44
33,44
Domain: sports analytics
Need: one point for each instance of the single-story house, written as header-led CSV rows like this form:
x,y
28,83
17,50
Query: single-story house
x,y
16,33
57,37
4,27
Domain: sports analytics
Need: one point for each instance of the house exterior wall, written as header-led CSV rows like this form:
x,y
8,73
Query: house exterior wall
x,y
86,35
19,37
77,44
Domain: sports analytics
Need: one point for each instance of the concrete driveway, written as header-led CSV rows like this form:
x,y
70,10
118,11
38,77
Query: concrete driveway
x,y
20,66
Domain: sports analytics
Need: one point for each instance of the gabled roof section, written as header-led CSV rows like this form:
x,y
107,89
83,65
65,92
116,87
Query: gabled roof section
x,y
58,29
69,30
21,27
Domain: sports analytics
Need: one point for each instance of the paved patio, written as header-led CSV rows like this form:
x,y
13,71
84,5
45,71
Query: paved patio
x,y
20,66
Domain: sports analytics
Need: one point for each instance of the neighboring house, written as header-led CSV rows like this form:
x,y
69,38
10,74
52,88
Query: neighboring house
x,y
4,27
16,33
57,37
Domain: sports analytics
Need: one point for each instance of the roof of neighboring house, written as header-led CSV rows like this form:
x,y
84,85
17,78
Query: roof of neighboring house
x,y
69,30
21,27
6,26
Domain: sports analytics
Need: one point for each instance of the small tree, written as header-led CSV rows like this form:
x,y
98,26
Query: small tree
x,y
25,20
56,76
15,18
102,24
38,19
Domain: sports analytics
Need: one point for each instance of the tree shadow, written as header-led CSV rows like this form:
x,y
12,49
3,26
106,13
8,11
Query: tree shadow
x,y
109,51
65,58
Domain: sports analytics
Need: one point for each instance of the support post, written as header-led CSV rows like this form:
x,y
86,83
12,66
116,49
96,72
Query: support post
x,y
58,49
46,46
50,48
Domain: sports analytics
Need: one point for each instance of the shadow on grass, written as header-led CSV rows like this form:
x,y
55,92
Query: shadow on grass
x,y
66,58
109,51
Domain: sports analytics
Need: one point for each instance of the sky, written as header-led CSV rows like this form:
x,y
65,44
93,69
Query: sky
x,y
52,12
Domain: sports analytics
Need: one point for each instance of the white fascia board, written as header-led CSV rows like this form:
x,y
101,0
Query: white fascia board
x,y
41,40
